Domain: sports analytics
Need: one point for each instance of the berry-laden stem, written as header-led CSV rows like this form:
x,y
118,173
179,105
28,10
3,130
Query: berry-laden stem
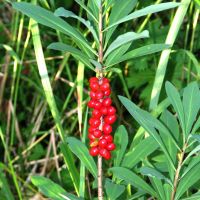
x,y
100,173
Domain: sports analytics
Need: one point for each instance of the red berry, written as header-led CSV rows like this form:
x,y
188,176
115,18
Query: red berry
x,y
93,79
94,151
105,153
91,136
105,86
91,104
94,122
107,92
108,138
92,94
96,114
110,119
94,86
103,111
97,133
111,110
105,80
110,147
97,105
91,129
107,102
107,129
99,95
103,143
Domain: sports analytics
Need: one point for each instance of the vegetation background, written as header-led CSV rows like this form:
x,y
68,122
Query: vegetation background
x,y
30,121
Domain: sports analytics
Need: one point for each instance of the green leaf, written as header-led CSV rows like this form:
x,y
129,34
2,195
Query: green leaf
x,y
196,126
158,187
191,105
142,51
81,151
145,11
121,141
5,187
113,190
47,18
175,100
196,137
117,53
193,197
187,181
125,38
119,10
151,172
131,178
51,189
147,122
75,52
61,12
193,59
80,2
142,150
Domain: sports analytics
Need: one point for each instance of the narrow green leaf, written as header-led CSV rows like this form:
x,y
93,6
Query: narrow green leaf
x,y
47,18
165,55
145,11
142,150
5,187
125,38
175,100
131,178
142,51
121,141
195,196
51,189
196,126
191,105
80,2
113,190
145,120
75,52
196,137
151,172
120,9
69,161
117,53
81,151
61,12
187,181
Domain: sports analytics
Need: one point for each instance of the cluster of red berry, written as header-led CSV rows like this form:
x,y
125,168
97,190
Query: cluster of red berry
x,y
103,115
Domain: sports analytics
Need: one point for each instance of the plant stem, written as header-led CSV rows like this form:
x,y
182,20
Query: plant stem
x,y
100,73
177,173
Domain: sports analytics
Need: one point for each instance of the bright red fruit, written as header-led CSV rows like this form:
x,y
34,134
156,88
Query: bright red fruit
x,y
97,105
107,102
91,129
108,138
103,143
94,86
111,110
110,147
93,79
104,110
107,92
92,94
97,133
107,129
96,114
105,153
105,80
91,103
105,86
94,122
91,136
99,95
110,119
94,151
